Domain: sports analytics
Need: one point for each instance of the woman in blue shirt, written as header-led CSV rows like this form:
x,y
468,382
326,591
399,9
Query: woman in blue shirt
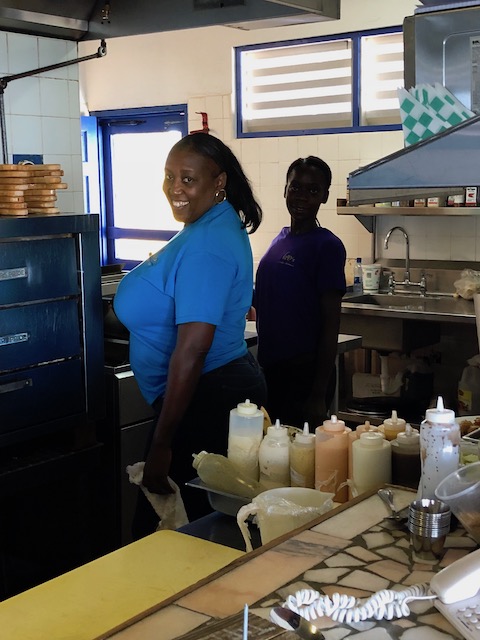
x,y
185,308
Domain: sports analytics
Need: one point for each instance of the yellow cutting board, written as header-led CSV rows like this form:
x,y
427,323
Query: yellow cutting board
x,y
86,603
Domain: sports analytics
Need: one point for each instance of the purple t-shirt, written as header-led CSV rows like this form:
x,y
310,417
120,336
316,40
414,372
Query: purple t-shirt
x,y
291,278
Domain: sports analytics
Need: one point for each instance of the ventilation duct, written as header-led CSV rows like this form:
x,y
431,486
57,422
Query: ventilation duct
x,y
104,19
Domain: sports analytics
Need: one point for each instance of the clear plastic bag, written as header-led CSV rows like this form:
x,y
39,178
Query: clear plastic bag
x,y
468,284
283,509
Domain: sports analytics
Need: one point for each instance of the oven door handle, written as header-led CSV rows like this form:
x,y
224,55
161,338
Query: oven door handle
x,y
15,386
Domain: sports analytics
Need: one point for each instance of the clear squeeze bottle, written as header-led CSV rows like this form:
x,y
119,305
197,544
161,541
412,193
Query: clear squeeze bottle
x,y
274,458
217,472
331,458
371,461
302,459
391,427
245,434
406,466
439,448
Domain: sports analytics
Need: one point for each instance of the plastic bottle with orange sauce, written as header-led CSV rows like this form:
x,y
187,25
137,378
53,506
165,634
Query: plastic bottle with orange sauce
x,y
331,458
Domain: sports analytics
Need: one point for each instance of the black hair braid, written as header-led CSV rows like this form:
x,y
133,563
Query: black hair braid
x,y
238,188
312,161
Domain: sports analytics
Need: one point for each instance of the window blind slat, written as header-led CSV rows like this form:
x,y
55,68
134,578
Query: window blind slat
x,y
310,85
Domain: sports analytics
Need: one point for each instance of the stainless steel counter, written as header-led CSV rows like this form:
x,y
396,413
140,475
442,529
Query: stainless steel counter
x,y
433,307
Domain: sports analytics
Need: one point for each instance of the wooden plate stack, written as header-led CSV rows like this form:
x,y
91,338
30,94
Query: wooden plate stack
x,y
29,188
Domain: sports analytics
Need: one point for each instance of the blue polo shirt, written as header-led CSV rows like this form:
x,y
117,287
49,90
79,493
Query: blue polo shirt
x,y
203,274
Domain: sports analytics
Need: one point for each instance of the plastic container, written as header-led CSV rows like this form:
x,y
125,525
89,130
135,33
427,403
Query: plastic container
x,y
354,435
357,276
217,472
278,511
245,434
406,465
371,461
331,458
302,459
371,277
439,448
469,391
274,458
391,427
461,491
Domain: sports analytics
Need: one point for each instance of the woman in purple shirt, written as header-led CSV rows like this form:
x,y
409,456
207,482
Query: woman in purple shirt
x,y
300,283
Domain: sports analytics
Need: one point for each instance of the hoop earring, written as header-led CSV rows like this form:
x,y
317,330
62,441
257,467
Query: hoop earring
x,y
217,193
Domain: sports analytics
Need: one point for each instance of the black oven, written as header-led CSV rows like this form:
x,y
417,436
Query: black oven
x,y
51,330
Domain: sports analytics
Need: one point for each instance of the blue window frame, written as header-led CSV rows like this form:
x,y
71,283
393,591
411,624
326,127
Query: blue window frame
x,y
135,218
316,85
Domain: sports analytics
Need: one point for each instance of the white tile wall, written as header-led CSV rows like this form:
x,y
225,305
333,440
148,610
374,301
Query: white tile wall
x,y
42,112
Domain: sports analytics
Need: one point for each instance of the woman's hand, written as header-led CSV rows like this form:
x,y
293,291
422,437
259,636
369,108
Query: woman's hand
x,y
157,466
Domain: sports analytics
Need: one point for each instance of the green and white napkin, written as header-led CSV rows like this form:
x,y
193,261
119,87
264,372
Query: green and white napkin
x,y
429,109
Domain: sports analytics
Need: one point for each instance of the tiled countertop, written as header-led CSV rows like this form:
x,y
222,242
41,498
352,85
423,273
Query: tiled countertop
x,y
356,551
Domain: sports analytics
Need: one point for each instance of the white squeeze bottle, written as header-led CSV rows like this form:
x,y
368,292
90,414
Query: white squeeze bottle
x,y
274,458
371,461
302,459
245,433
439,448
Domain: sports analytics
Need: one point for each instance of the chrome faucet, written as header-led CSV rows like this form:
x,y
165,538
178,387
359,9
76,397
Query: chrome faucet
x,y
406,279
407,251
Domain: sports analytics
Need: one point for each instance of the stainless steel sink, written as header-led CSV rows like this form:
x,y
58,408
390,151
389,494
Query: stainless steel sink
x,y
413,304
402,321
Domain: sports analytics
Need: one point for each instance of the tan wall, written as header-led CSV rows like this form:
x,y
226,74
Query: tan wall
x,y
196,67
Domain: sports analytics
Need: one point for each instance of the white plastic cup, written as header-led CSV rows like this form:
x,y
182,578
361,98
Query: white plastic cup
x,y
371,277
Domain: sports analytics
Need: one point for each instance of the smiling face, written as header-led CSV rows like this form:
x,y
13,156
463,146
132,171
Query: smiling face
x,y
190,184
305,191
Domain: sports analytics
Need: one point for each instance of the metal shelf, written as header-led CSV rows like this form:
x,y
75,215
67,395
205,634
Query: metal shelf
x,y
370,210
366,213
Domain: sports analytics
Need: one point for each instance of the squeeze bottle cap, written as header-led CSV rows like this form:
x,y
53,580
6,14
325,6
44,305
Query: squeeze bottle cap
x,y
197,458
394,421
247,408
440,414
277,429
409,436
306,437
371,439
334,424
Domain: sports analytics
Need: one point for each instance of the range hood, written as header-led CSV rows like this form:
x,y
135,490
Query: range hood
x,y
103,19
441,165
440,46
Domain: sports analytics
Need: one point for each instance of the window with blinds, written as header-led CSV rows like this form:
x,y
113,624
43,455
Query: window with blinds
x,y
381,58
312,85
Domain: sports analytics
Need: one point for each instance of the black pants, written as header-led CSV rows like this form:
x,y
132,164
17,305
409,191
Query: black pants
x,y
204,427
289,385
